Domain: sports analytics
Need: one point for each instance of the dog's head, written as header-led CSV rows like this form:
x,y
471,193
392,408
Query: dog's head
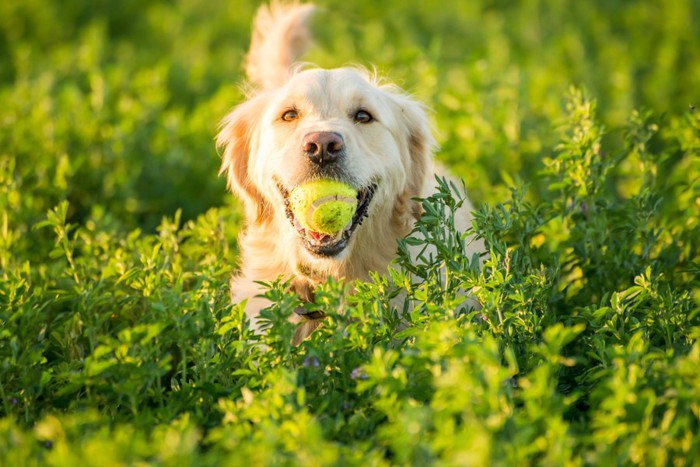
x,y
337,124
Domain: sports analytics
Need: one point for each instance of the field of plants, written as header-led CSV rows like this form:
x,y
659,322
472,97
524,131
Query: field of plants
x,y
576,127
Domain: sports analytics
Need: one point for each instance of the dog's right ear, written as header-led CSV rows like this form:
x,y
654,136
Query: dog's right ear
x,y
238,130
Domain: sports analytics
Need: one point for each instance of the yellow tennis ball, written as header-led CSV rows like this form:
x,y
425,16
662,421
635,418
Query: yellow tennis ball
x,y
323,206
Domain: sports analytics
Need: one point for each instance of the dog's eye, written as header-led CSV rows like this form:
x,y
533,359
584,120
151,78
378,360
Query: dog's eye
x,y
362,116
290,115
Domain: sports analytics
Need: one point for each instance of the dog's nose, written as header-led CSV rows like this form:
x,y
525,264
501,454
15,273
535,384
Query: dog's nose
x,y
323,147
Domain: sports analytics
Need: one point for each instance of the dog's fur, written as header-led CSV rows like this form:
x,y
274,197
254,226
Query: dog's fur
x,y
264,158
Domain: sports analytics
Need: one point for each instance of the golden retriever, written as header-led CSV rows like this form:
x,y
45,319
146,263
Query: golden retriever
x,y
299,124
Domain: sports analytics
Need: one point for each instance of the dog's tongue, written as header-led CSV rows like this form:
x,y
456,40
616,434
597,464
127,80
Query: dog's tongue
x,y
317,236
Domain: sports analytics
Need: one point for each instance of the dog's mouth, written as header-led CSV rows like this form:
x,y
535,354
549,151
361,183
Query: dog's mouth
x,y
324,244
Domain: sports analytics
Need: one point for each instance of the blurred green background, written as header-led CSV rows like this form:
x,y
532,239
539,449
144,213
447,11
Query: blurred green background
x,y
116,104
118,339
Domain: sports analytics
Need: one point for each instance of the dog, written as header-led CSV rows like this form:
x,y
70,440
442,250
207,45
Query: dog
x,y
301,123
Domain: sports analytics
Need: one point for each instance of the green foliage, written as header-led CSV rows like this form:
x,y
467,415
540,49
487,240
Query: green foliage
x,y
118,341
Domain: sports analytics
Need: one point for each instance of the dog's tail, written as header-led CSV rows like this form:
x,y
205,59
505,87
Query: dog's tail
x,y
280,37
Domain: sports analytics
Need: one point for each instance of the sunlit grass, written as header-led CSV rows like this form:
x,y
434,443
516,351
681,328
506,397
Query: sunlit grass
x,y
118,341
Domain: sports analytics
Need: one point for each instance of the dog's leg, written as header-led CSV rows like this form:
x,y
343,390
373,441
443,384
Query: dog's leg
x,y
244,289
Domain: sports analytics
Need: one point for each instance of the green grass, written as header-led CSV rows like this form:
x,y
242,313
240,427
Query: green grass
x,y
119,344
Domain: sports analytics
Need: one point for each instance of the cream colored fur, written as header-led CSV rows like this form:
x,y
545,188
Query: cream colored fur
x,y
262,151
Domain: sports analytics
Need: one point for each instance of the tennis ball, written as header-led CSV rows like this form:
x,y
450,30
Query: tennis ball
x,y
323,206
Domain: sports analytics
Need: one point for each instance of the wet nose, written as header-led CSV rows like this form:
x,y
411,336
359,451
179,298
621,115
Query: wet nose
x,y
323,147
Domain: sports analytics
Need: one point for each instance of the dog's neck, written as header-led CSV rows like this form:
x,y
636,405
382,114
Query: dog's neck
x,y
309,274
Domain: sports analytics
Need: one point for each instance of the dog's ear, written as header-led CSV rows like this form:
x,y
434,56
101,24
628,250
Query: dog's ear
x,y
420,145
236,140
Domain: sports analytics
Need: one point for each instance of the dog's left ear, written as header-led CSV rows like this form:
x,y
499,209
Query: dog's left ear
x,y
236,139
420,144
